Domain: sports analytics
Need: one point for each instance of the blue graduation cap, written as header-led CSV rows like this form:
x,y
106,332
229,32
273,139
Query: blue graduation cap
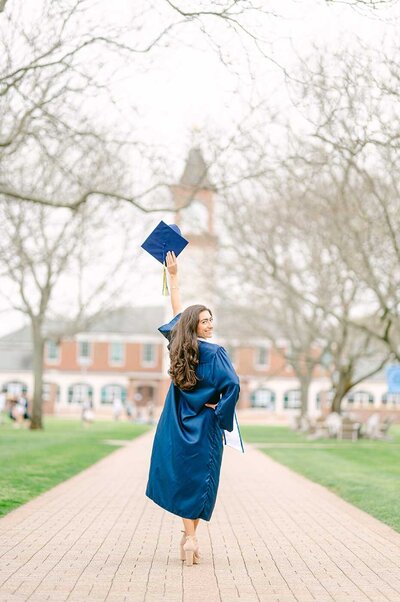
x,y
162,239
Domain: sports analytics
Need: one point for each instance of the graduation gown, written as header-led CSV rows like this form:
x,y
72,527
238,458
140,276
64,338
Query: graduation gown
x,y
188,444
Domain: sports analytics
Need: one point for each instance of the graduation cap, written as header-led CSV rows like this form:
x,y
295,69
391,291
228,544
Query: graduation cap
x,y
162,239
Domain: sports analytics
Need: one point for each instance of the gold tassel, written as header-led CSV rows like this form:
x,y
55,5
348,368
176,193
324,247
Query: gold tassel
x,y
165,290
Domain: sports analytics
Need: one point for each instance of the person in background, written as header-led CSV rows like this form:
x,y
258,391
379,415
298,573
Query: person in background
x,y
87,412
150,412
138,399
19,412
117,407
130,410
11,403
24,402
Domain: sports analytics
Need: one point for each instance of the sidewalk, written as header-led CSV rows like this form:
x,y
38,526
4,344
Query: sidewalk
x,y
273,537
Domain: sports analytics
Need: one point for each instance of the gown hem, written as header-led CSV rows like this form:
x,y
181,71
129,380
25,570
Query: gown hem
x,y
206,517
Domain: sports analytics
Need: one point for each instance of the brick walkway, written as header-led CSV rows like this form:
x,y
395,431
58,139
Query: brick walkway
x,y
274,536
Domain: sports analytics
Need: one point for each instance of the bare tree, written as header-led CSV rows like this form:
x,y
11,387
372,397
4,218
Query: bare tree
x,y
267,270
58,69
324,211
56,272
351,158
49,72
296,284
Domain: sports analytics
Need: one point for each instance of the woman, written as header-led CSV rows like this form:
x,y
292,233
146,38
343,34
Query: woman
x,y
188,444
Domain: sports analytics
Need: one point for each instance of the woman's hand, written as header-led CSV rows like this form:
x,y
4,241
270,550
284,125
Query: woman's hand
x,y
172,263
172,267
209,405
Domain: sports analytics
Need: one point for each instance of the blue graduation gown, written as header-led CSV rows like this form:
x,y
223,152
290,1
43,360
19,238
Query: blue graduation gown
x,y
187,449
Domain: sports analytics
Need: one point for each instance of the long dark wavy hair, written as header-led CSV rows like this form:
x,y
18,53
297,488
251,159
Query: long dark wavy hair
x,y
184,348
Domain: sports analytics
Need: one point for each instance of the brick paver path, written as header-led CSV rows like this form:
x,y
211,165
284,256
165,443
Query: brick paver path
x,y
274,537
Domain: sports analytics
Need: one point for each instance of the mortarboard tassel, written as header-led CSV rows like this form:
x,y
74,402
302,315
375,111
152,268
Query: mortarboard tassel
x,y
165,290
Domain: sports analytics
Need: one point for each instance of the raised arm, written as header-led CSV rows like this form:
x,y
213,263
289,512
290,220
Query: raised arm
x,y
172,267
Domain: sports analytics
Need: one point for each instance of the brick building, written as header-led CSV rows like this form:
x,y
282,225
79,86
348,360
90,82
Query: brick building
x,y
123,354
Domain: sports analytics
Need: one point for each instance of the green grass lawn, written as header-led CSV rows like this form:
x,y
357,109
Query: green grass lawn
x,y
33,461
365,473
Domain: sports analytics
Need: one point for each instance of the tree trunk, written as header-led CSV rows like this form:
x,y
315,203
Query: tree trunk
x,y
343,386
304,388
38,352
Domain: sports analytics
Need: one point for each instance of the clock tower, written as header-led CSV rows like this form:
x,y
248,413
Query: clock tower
x,y
194,199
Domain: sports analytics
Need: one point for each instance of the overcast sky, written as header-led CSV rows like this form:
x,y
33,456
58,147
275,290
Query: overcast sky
x,y
189,87
186,88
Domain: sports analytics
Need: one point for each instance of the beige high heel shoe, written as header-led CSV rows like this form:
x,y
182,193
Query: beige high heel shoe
x,y
189,548
182,550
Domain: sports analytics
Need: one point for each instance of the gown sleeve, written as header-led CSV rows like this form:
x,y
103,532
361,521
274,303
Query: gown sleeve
x,y
226,382
165,329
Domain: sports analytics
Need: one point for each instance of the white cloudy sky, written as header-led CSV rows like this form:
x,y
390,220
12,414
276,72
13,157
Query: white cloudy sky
x,y
189,87
186,86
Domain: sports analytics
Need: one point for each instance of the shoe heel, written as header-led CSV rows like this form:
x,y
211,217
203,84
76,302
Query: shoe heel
x,y
189,556
181,544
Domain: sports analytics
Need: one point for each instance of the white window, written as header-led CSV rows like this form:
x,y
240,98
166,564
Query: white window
x,y
262,357
360,397
84,352
292,399
79,393
117,353
110,392
391,398
15,388
263,398
148,354
326,397
194,218
53,352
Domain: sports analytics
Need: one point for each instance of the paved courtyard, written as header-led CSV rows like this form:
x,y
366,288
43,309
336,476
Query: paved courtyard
x,y
273,537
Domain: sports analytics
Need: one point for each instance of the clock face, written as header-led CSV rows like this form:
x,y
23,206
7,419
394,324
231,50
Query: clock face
x,y
195,218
